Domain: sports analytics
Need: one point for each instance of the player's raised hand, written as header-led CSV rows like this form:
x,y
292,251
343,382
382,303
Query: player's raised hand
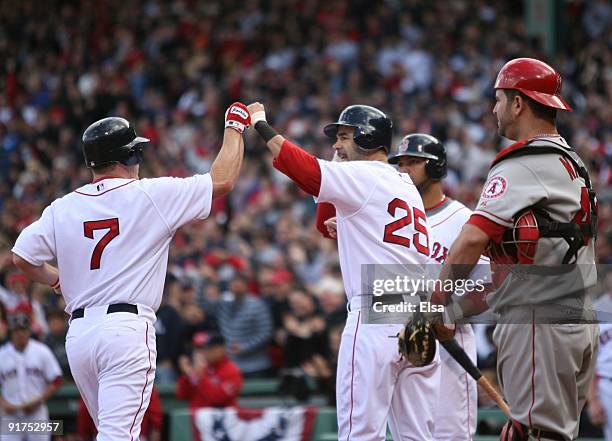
x,y
257,111
237,117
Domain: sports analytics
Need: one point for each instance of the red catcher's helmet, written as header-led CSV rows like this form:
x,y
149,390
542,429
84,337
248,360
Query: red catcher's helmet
x,y
535,79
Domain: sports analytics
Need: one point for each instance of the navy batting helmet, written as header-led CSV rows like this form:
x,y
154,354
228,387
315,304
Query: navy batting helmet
x,y
112,140
373,129
423,146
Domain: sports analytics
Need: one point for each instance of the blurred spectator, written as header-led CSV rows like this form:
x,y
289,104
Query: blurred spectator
x,y
489,371
167,332
194,318
209,378
150,429
305,328
29,374
323,370
56,339
330,293
305,342
18,297
246,325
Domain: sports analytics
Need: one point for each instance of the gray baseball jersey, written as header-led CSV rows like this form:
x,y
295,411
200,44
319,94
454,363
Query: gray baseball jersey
x,y
544,369
550,182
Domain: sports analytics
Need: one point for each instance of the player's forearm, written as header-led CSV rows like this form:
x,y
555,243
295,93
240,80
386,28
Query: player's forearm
x,y
226,167
461,259
465,253
299,165
275,144
45,273
5,404
49,391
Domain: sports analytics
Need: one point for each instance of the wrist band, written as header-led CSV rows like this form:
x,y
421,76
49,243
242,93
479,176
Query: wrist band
x,y
265,131
258,116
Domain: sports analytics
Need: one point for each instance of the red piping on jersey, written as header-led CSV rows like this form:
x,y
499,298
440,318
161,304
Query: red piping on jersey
x,y
444,199
101,178
449,216
110,189
533,365
302,167
353,377
146,382
492,229
509,149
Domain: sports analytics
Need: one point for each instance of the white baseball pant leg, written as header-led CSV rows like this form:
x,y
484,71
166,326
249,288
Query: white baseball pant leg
x,y
372,382
456,412
112,359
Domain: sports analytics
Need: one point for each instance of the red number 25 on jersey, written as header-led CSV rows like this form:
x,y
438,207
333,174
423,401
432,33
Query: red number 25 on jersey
x,y
412,215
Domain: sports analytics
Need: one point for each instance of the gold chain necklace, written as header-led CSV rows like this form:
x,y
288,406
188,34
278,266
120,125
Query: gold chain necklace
x,y
546,135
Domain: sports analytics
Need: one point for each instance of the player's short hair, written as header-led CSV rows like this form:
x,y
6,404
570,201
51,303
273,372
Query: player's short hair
x,y
539,110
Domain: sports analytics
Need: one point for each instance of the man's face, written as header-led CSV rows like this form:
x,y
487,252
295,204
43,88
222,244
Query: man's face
x,y
345,146
503,113
214,354
20,337
415,167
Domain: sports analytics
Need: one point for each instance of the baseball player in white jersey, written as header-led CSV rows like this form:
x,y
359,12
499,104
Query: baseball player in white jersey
x,y
29,376
423,157
111,239
380,219
537,209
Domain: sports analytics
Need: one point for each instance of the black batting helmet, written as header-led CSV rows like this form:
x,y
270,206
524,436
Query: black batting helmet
x,y
423,146
112,140
373,129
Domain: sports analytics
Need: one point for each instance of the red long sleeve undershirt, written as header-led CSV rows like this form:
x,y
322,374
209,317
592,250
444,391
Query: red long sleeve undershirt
x,y
299,165
325,211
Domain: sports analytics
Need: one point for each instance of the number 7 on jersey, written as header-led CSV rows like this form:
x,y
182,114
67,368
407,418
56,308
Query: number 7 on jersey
x,y
113,231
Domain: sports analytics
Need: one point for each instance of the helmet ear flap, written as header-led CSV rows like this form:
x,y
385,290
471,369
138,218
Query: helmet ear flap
x,y
363,138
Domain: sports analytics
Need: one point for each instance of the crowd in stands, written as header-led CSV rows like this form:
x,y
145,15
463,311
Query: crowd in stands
x,y
257,272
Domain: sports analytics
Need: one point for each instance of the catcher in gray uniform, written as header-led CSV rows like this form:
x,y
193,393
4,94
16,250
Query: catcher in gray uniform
x,y
538,210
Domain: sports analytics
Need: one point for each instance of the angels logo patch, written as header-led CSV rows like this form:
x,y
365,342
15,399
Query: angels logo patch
x,y
494,188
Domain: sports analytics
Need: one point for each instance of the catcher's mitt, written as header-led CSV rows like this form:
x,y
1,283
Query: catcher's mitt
x,y
416,342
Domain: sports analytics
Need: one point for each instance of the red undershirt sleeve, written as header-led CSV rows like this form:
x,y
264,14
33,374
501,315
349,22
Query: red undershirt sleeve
x,y
299,165
325,211
494,230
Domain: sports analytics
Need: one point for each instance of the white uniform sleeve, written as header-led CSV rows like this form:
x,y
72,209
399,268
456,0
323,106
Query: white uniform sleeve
x,y
181,200
510,187
36,243
52,367
347,185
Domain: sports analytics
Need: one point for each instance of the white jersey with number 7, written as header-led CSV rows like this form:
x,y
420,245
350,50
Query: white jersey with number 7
x,y
111,237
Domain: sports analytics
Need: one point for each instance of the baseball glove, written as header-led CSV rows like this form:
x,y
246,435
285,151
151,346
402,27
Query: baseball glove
x,y
416,342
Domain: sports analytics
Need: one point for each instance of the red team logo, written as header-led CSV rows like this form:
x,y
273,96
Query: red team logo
x,y
494,188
